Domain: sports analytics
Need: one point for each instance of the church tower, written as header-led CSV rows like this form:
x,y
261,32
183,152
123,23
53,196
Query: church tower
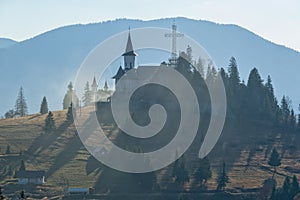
x,y
94,90
129,55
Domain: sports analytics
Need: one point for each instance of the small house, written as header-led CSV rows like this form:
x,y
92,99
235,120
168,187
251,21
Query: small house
x,y
31,177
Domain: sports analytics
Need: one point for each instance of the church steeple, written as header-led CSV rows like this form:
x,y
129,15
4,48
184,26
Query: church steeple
x,y
129,55
94,84
94,90
105,88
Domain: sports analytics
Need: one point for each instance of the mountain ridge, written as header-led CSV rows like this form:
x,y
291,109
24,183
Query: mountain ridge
x,y
58,54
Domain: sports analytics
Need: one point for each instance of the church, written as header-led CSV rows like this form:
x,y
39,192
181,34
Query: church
x,y
135,75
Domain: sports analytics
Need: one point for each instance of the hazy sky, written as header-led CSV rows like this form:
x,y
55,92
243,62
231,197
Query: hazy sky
x,y
275,20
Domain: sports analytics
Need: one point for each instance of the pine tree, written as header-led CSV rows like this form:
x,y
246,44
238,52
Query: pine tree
x,y
274,191
285,111
259,104
222,178
180,173
293,120
200,67
21,105
294,187
70,97
44,106
234,76
270,108
49,123
10,114
87,97
203,173
274,160
286,189
70,114
298,124
22,166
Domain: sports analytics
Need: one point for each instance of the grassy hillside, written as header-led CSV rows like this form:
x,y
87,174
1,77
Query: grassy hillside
x,y
68,164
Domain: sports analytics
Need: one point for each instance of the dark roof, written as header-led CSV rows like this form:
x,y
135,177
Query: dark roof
x,y
30,174
119,74
129,48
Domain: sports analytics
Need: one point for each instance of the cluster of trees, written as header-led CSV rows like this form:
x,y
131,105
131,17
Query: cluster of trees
x,y
201,175
69,101
253,101
288,191
21,108
256,101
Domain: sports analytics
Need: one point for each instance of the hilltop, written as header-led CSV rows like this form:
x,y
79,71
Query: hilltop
x,y
68,164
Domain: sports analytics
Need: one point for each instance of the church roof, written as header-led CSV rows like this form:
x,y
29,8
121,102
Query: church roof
x,y
129,48
30,174
119,74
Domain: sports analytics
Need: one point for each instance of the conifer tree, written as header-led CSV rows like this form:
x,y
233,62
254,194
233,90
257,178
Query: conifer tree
x,y
234,76
256,95
285,193
10,114
293,120
180,173
274,160
294,187
70,113
203,172
21,105
285,111
44,106
49,123
200,67
87,97
298,124
222,178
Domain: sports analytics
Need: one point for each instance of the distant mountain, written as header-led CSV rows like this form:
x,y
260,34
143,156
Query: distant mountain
x,y
44,65
5,42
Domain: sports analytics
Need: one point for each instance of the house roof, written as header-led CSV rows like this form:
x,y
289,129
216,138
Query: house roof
x,y
30,174
119,74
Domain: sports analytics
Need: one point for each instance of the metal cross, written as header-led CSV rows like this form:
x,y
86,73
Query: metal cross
x,y
174,36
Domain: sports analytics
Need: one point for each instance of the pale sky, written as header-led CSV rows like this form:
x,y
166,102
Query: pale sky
x,y
275,20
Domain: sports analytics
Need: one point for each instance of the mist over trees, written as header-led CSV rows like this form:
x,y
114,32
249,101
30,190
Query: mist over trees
x,y
70,97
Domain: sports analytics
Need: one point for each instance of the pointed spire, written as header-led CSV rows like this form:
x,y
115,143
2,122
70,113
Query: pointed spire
x,y
129,44
94,85
129,47
105,86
